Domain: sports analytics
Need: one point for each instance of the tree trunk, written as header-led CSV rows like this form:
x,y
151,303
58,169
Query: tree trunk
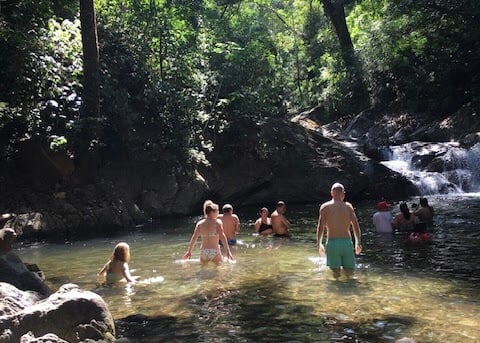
x,y
335,11
91,90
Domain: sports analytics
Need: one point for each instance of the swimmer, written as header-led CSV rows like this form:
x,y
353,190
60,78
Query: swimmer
x,y
231,224
211,230
116,269
263,225
337,217
280,224
425,212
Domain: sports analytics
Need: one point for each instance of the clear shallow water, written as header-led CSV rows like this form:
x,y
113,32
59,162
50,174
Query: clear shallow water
x,y
280,290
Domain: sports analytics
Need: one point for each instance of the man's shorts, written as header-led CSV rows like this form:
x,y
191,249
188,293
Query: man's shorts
x,y
340,253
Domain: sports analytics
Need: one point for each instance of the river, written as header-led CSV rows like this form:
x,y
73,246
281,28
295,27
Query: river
x,y
280,290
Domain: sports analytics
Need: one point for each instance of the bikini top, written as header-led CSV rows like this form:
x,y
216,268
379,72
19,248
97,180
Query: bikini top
x,y
264,226
211,234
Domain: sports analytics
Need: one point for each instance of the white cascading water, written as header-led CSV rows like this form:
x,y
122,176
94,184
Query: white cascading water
x,y
437,168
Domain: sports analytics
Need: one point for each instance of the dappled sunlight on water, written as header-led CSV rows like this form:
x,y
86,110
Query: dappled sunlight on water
x,y
281,290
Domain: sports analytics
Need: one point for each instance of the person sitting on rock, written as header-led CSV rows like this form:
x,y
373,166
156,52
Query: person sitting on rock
x,y
116,269
7,237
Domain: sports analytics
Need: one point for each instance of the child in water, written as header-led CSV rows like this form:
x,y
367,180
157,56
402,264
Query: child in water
x,y
116,268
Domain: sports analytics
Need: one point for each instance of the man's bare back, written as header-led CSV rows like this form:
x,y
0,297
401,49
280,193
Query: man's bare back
x,y
337,217
231,222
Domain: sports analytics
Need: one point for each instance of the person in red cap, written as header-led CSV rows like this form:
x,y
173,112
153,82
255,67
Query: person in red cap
x,y
383,218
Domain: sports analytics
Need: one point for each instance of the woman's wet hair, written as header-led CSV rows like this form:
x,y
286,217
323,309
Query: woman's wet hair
x,y
121,252
404,209
423,202
209,206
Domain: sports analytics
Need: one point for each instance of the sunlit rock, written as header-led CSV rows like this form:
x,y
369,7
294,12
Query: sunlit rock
x,y
72,314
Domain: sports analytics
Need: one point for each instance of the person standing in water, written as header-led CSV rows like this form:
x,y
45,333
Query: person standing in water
x,y
337,217
116,269
231,224
280,224
382,219
263,225
405,220
210,229
425,212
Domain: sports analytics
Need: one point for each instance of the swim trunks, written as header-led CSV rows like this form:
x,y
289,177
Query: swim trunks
x,y
340,253
230,242
208,254
281,235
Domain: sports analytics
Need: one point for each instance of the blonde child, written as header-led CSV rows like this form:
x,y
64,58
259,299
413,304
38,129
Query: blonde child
x,y
116,268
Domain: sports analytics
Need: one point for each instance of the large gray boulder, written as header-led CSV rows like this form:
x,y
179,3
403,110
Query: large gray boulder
x,y
70,314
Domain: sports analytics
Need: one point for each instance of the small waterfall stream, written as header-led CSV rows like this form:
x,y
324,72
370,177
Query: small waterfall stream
x,y
436,168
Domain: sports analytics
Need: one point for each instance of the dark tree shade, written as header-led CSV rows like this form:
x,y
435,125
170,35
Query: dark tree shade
x,y
91,103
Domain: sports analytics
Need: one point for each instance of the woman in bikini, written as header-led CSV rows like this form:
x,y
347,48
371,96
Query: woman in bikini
x,y
211,230
263,225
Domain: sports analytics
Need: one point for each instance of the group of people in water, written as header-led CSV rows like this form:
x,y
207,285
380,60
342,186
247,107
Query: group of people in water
x,y
415,220
337,222
218,231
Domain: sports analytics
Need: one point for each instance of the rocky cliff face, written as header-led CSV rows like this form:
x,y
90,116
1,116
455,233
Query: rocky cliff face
x,y
258,164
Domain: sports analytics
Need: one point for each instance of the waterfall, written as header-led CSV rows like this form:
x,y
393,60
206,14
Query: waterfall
x,y
436,168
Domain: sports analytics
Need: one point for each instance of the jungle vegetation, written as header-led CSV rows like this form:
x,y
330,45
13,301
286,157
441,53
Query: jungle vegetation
x,y
170,75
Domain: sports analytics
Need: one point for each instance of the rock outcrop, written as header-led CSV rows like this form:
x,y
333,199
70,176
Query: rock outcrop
x,y
70,315
16,273
249,164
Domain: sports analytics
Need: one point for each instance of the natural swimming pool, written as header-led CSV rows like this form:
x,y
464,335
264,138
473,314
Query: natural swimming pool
x,y
279,290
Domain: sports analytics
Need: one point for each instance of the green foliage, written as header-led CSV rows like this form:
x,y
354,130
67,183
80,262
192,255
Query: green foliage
x,y
177,74
40,74
418,53
58,143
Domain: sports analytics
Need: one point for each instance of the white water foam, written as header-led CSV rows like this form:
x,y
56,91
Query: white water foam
x,y
456,168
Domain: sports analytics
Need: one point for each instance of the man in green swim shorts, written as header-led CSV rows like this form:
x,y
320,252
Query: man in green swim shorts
x,y
337,217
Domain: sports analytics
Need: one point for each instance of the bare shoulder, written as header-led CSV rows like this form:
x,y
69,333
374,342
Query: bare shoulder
x,y
326,204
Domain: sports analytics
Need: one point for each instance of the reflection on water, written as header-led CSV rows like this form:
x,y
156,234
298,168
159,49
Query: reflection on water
x,y
280,290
